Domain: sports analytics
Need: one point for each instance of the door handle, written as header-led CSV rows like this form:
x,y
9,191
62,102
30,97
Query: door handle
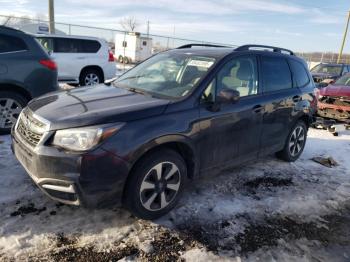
x,y
296,99
258,108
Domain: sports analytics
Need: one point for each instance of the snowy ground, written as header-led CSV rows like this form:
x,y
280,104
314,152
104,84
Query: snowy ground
x,y
266,211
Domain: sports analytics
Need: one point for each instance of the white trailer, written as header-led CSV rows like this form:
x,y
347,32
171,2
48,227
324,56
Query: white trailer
x,y
132,47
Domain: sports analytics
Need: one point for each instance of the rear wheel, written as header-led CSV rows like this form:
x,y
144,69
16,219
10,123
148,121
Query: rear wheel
x,y
90,77
126,60
11,105
156,184
295,143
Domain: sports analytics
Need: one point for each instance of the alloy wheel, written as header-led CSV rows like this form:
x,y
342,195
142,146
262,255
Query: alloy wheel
x,y
160,186
296,141
91,79
9,112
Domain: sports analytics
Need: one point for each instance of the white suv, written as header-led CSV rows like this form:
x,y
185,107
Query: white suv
x,y
80,60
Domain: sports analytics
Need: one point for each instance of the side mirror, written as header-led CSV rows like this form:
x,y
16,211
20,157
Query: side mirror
x,y
227,96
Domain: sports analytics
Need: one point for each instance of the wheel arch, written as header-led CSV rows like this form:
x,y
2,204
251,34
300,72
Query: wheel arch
x,y
94,67
180,144
306,119
16,89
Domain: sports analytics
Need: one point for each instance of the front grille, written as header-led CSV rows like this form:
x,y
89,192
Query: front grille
x,y
29,128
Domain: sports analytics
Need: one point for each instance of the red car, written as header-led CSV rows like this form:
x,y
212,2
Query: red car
x,y
334,100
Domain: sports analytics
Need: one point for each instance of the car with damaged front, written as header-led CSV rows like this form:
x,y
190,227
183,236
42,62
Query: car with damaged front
x,y
334,100
328,73
173,118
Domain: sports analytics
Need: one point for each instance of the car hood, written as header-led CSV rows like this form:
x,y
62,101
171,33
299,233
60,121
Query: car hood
x,y
95,105
335,90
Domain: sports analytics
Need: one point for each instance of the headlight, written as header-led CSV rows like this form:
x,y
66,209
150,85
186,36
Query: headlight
x,y
84,138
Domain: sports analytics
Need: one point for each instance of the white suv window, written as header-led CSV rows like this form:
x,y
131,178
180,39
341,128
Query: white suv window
x,y
67,45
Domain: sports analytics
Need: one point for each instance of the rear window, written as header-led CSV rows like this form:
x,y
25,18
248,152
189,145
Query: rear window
x,y
300,75
276,74
11,44
67,45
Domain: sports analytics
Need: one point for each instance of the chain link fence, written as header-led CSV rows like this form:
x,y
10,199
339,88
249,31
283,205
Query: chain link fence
x,y
159,42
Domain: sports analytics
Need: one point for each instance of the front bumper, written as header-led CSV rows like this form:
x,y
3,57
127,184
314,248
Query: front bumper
x,y
333,111
93,179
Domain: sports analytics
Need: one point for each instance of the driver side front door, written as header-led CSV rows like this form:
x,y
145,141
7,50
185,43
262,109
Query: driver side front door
x,y
230,132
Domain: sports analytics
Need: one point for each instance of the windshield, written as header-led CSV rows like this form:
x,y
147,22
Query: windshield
x,y
343,81
172,75
328,69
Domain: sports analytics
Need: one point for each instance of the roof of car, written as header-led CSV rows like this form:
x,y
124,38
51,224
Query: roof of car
x,y
220,52
68,36
333,64
212,52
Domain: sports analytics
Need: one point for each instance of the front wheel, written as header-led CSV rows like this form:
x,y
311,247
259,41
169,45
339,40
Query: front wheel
x,y
295,143
156,184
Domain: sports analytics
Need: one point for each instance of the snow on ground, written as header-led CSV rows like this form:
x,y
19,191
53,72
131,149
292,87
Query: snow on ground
x,y
264,211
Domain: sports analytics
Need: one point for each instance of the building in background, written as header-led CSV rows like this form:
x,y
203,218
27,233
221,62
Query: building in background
x,y
38,28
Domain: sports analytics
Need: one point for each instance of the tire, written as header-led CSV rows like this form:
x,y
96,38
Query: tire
x,y
295,143
11,105
145,193
90,77
120,59
126,60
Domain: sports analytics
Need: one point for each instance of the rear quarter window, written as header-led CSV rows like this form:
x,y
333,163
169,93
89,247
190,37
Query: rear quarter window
x,y
67,45
300,74
11,44
276,74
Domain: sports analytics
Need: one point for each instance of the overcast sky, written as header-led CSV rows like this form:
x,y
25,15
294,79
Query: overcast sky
x,y
301,25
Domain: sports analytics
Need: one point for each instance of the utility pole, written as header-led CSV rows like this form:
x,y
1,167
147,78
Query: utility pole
x,y
147,29
344,39
51,17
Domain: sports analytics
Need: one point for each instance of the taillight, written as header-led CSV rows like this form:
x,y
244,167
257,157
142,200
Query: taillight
x,y
48,63
110,57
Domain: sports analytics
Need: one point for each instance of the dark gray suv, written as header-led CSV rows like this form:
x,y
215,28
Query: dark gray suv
x,y
26,71
172,118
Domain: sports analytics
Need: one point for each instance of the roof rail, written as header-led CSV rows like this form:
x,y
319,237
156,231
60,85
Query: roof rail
x,y
204,45
274,49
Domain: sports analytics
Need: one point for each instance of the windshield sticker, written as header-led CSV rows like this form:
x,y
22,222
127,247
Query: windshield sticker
x,y
201,63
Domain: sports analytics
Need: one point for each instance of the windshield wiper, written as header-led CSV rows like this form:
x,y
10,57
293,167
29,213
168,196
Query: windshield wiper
x,y
134,90
132,77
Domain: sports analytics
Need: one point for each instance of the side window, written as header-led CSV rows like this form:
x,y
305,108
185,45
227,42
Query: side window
x,y
64,45
67,45
88,46
300,74
345,70
209,93
239,74
276,74
11,44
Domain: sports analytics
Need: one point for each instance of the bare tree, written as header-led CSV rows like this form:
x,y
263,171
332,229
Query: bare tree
x,y
129,23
